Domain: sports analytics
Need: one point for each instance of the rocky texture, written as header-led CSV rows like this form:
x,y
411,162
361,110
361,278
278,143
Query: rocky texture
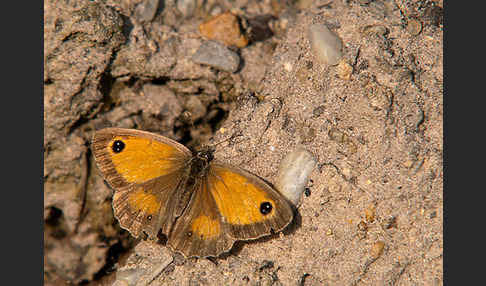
x,y
373,213
79,43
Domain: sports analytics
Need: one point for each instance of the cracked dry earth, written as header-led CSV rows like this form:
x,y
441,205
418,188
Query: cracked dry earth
x,y
373,209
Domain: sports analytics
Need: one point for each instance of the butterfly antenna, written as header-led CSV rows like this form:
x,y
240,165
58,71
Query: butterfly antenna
x,y
229,139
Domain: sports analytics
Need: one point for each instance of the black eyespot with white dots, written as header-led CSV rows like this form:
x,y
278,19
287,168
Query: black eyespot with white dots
x,y
149,217
265,208
118,146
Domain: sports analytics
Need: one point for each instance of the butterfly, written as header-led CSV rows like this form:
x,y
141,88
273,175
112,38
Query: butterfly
x,y
200,204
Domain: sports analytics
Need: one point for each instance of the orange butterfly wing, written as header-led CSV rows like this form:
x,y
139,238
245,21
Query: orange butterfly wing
x,y
248,204
144,169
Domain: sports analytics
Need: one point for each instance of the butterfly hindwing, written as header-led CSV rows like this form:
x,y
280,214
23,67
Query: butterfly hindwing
x,y
200,231
249,206
147,207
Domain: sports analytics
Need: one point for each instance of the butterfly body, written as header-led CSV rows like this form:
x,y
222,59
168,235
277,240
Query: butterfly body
x,y
202,205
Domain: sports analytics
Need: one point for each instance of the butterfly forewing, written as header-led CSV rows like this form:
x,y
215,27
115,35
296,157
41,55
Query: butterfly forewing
x,y
127,156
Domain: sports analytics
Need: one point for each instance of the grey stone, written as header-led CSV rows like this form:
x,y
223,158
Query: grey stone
x,y
146,10
218,56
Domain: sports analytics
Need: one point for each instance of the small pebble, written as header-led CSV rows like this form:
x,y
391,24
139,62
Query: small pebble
x,y
390,222
370,213
293,174
344,70
195,107
225,29
318,110
287,66
145,11
377,249
326,45
217,55
414,27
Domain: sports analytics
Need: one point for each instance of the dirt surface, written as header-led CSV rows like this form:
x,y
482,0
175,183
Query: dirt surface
x,y
373,212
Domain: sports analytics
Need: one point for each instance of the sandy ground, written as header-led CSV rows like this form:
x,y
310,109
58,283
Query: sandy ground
x,y
373,212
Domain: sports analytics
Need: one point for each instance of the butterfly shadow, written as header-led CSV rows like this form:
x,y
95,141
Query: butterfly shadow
x,y
295,224
238,245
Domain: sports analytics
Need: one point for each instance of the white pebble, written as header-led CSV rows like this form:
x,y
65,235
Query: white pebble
x,y
288,66
326,44
293,174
